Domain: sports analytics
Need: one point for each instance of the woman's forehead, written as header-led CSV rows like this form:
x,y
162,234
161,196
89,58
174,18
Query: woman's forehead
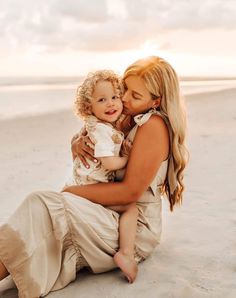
x,y
136,84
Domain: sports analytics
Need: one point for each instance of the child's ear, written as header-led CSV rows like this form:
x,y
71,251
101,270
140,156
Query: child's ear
x,y
90,111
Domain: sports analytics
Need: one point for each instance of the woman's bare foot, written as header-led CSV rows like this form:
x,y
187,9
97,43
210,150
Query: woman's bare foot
x,y
127,265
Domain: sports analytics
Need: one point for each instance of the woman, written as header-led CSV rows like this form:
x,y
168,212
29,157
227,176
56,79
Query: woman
x,y
53,235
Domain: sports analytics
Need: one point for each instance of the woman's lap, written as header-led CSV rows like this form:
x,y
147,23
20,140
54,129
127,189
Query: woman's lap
x,y
39,257
53,235
95,229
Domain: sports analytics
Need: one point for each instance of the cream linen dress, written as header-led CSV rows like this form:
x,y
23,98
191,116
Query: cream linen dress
x,y
51,236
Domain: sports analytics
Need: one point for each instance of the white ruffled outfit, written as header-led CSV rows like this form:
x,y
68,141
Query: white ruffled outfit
x,y
107,142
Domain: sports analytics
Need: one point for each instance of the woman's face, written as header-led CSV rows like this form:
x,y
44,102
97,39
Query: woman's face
x,y
137,99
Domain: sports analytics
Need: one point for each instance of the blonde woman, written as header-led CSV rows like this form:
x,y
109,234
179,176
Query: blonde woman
x,y
63,232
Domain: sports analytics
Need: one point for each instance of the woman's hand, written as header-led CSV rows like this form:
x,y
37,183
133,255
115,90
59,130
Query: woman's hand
x,y
81,147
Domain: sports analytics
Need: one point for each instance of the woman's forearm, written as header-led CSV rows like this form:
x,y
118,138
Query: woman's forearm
x,y
106,194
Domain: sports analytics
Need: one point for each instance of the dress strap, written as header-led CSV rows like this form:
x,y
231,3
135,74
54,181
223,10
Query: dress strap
x,y
143,118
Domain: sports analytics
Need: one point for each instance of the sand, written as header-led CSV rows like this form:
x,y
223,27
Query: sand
x,y
197,254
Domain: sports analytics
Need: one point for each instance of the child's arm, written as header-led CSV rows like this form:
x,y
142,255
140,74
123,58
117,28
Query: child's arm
x,y
113,163
117,162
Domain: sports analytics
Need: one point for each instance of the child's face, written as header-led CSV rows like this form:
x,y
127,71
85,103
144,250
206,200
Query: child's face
x,y
106,105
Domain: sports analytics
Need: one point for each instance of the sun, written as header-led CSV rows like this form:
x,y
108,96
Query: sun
x,y
120,60
148,48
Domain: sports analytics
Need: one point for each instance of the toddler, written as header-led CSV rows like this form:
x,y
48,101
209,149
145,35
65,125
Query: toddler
x,y
99,103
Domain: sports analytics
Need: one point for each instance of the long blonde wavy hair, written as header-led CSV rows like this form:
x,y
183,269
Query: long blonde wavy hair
x,y
162,82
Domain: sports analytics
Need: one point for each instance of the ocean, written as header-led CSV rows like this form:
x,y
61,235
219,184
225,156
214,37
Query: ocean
x,y
29,96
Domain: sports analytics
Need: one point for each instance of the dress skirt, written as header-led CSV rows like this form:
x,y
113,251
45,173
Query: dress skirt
x,y
51,236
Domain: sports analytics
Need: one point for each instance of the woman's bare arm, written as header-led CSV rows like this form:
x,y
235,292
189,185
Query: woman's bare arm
x,y
150,148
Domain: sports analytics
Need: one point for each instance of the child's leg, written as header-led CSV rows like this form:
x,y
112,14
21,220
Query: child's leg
x,y
124,258
127,230
3,271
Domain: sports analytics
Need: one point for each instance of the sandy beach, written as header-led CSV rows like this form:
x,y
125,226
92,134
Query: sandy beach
x,y
197,254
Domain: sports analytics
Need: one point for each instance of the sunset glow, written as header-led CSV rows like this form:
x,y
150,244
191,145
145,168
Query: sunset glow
x,y
74,38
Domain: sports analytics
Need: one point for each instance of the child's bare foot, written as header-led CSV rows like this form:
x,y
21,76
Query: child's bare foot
x,y
127,265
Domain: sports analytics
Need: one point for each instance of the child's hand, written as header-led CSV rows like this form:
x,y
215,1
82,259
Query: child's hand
x,y
126,147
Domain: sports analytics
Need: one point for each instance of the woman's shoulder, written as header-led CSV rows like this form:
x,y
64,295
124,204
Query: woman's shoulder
x,y
156,123
142,119
154,133
151,123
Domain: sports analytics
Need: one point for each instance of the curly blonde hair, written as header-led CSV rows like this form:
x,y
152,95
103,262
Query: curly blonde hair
x,y
82,104
162,82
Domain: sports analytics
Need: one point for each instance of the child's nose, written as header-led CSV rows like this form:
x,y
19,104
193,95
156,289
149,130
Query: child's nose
x,y
110,102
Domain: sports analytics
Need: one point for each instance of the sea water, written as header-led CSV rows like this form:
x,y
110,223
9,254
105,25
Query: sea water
x,y
21,97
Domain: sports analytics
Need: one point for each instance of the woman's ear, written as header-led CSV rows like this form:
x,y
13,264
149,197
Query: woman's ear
x,y
156,103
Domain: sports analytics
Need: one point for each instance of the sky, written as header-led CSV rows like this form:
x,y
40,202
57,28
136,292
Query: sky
x,y
72,37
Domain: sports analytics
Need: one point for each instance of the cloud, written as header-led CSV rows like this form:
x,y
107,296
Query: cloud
x,y
90,25
184,14
91,11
